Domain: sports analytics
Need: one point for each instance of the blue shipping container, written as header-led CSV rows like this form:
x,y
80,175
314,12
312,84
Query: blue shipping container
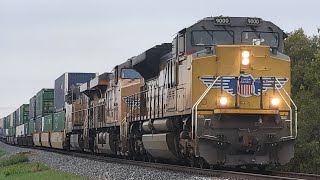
x,y
64,82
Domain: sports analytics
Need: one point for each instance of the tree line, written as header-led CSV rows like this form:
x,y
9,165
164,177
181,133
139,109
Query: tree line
x,y
304,52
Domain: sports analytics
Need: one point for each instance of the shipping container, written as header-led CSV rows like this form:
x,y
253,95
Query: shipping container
x,y
6,122
38,124
31,127
12,131
24,113
12,120
44,102
47,123
20,131
21,115
26,128
2,121
63,84
16,117
32,107
58,121
2,133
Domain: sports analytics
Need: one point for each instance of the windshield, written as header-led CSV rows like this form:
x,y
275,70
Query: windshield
x,y
261,38
207,37
130,74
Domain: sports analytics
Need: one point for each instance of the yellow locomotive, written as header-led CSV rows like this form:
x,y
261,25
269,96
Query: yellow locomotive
x,y
219,94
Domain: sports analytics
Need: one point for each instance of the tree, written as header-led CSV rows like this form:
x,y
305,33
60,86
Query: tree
x,y
305,75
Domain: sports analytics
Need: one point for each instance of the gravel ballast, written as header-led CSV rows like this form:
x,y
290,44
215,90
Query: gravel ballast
x,y
97,169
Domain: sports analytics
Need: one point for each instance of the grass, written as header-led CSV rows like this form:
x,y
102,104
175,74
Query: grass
x,y
18,167
2,152
15,159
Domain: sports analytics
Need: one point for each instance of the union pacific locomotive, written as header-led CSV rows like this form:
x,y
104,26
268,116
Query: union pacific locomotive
x,y
219,94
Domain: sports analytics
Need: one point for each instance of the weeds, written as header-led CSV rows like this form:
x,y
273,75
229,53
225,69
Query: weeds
x,y
15,159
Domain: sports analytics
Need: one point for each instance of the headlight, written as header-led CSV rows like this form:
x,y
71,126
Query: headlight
x,y
245,61
223,101
275,101
245,58
245,54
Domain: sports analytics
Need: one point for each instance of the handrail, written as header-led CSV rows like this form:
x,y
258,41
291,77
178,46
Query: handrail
x,y
295,107
290,113
194,117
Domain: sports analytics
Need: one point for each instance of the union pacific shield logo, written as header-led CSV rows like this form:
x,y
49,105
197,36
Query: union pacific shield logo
x,y
245,86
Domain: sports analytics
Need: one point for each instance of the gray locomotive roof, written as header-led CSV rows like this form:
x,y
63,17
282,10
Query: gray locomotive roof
x,y
147,63
242,22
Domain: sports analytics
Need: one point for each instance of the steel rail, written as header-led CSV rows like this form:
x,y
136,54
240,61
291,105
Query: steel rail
x,y
225,174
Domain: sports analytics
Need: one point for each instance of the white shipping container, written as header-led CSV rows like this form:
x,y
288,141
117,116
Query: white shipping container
x,y
20,131
1,123
42,124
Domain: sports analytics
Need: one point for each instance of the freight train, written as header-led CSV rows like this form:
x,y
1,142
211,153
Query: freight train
x,y
219,94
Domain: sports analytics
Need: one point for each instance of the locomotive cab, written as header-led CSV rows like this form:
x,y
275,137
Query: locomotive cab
x,y
213,31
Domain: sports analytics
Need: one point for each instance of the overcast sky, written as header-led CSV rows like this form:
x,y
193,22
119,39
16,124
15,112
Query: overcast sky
x,y
41,39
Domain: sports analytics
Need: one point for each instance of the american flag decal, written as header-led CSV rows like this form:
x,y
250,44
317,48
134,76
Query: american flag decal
x,y
245,85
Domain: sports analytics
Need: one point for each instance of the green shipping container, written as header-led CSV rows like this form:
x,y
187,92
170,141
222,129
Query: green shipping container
x,y
12,131
31,127
12,120
5,123
8,122
21,115
24,113
58,121
44,102
16,119
26,128
47,123
38,124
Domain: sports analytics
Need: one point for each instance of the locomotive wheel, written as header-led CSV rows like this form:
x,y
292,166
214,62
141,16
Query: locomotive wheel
x,y
193,162
203,164
249,167
145,159
213,167
261,167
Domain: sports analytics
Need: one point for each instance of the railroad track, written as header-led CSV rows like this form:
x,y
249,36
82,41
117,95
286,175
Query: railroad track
x,y
296,175
224,174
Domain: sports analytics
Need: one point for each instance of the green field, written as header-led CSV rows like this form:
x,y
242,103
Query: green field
x,y
18,167
2,153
